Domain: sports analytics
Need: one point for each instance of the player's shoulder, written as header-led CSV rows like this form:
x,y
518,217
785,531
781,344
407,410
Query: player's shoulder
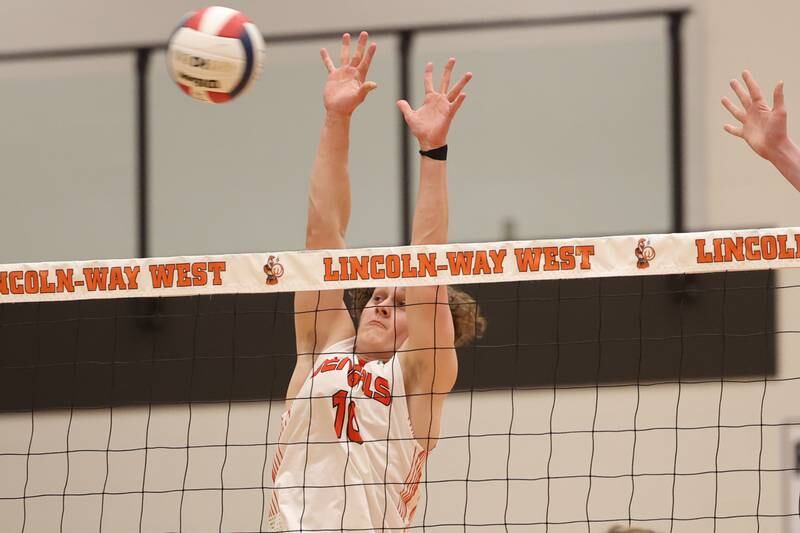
x,y
341,346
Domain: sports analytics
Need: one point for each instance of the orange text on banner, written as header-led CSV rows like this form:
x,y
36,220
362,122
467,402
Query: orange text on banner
x,y
421,265
37,282
730,249
554,258
64,280
186,274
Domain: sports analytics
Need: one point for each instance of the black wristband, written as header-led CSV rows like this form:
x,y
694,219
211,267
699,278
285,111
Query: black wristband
x,y
439,154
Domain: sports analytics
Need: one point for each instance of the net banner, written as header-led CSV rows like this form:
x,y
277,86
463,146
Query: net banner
x,y
684,253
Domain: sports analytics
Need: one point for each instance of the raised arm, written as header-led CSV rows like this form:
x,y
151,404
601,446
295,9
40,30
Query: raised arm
x,y
429,359
321,317
764,127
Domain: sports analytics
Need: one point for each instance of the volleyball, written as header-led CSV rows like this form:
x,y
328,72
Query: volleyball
x,y
215,54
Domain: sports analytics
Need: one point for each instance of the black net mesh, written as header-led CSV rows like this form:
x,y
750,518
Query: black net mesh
x,y
668,403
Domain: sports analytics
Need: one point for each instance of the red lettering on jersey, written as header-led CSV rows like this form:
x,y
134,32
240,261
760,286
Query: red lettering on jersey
x,y
330,364
367,381
377,389
354,377
339,400
326,366
382,392
353,432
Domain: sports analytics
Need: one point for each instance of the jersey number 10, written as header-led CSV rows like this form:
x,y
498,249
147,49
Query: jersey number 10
x,y
341,405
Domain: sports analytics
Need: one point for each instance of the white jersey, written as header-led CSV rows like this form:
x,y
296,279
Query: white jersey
x,y
347,458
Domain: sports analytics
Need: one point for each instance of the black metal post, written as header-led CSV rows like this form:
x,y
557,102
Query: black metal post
x,y
406,159
676,119
142,159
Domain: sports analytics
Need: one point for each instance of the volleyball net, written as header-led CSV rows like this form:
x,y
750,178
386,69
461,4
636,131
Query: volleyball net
x,y
648,380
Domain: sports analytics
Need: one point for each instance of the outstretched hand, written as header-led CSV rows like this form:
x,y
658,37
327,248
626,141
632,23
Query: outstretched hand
x,y
346,86
431,121
762,126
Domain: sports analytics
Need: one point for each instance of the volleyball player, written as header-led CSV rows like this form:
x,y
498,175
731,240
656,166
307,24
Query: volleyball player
x,y
364,402
764,127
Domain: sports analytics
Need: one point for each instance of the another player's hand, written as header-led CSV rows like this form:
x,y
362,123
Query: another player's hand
x,y
431,122
763,127
346,86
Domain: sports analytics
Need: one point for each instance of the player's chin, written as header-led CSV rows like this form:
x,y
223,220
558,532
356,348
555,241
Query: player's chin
x,y
374,333
383,338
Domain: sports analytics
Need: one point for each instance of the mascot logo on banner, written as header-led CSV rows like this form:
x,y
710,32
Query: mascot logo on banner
x,y
273,269
644,253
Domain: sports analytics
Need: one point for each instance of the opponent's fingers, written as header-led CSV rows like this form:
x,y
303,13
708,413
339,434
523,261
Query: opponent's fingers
x,y
362,44
326,60
777,97
755,91
405,108
737,113
344,55
457,104
428,78
744,98
446,74
458,87
733,130
363,67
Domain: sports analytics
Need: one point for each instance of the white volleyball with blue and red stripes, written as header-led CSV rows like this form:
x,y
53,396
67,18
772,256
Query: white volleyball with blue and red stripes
x,y
215,54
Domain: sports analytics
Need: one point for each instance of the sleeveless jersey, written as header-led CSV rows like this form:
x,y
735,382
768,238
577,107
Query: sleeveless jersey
x,y
347,457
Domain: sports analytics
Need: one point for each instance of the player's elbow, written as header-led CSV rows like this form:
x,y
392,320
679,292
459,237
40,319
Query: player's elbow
x,y
445,378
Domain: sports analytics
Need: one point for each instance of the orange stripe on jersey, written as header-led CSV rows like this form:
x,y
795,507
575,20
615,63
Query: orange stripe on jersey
x,y
276,461
411,486
414,488
407,484
276,466
415,464
416,474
